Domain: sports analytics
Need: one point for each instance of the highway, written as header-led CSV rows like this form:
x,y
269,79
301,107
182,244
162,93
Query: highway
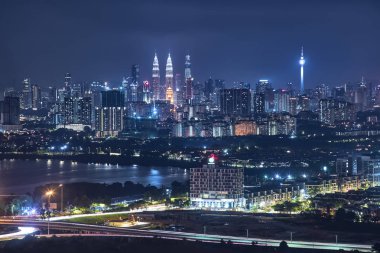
x,y
160,207
96,230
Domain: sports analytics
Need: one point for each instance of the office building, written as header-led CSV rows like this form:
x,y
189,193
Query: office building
x,y
26,96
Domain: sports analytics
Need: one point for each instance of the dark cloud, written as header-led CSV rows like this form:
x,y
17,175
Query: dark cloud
x,y
234,40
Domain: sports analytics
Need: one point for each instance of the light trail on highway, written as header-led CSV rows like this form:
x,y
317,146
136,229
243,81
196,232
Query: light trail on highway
x,y
115,231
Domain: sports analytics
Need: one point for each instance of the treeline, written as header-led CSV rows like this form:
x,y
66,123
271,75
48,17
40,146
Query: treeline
x,y
84,194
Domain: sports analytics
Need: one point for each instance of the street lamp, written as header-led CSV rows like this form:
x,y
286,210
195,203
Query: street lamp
x,y
49,194
61,186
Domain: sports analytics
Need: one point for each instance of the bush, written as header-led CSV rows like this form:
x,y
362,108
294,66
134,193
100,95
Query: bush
x,y
283,247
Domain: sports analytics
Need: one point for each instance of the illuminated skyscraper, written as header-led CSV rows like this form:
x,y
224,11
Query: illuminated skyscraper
x,y
169,95
156,78
178,90
36,97
169,80
135,87
147,93
109,117
9,111
26,96
235,102
302,62
188,79
68,82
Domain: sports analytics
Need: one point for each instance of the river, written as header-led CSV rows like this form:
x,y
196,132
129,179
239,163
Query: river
x,y
22,176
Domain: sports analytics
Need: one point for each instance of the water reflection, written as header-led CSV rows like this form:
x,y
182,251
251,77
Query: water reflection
x,y
21,176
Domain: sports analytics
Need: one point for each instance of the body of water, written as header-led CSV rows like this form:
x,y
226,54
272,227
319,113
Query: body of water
x,y
21,176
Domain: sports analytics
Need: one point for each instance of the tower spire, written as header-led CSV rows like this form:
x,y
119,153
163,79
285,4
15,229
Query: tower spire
x,y
156,78
169,79
188,78
302,62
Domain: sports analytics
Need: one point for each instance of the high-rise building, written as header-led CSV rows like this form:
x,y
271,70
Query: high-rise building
x,y
170,95
291,89
77,90
216,187
67,83
169,80
361,96
339,92
135,88
261,97
259,104
36,97
281,100
293,106
156,79
178,90
333,110
262,85
125,86
302,62
219,85
109,118
26,96
197,92
209,88
77,111
303,103
10,111
235,102
11,92
147,92
188,79
269,100
322,91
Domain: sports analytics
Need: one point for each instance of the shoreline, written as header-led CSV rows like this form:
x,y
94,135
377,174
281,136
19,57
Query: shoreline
x,y
105,159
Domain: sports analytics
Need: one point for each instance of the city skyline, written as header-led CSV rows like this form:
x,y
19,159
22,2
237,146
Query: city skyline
x,y
103,47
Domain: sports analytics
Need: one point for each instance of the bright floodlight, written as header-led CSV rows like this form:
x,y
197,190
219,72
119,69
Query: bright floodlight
x,y
49,193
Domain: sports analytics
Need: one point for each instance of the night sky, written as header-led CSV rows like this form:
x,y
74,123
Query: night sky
x,y
228,39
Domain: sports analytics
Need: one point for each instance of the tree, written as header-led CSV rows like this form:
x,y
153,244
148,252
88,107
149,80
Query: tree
x,y
18,204
376,247
283,247
342,215
179,189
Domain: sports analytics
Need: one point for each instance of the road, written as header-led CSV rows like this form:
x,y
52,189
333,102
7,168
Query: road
x,y
160,207
22,231
70,228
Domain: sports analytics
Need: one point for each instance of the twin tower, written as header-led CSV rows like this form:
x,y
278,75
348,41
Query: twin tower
x,y
166,90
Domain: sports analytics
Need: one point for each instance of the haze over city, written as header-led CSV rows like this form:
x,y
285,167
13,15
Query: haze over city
x,y
235,41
